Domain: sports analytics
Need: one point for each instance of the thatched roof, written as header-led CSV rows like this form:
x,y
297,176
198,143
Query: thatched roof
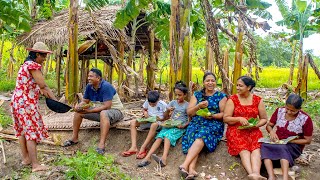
x,y
55,31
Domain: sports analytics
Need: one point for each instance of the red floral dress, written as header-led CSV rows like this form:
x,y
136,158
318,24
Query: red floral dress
x,y
243,139
24,103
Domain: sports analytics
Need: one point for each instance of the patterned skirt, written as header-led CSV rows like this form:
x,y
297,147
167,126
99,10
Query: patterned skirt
x,y
210,131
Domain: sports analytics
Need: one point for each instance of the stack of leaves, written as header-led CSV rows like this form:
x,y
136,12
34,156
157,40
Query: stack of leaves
x,y
171,123
252,123
148,119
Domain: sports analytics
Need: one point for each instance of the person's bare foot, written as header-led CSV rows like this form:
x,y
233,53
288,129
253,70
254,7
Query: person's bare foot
x,y
26,162
256,177
193,172
39,167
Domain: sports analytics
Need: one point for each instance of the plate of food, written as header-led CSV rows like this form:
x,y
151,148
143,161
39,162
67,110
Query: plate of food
x,y
252,123
148,119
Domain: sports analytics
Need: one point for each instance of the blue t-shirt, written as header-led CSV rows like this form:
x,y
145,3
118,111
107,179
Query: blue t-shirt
x,y
105,92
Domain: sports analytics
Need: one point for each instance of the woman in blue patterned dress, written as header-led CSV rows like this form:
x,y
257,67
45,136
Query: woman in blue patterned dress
x,y
203,132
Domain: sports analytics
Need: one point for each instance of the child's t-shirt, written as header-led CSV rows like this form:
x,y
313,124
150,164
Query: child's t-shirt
x,y
157,110
180,110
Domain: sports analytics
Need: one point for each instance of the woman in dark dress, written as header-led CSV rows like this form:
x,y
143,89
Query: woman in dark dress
x,y
203,132
289,121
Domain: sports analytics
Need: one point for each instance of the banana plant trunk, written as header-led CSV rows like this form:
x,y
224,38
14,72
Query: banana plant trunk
x,y
214,41
293,57
120,73
151,63
304,77
73,70
1,50
300,61
314,67
180,43
237,61
226,63
209,64
141,66
59,56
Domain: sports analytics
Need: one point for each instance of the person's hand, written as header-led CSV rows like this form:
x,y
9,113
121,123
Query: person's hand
x,y
145,115
170,109
203,104
210,116
243,121
158,118
273,136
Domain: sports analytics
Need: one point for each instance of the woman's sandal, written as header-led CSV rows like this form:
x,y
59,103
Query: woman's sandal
x,y
68,143
158,160
100,151
183,172
142,155
128,153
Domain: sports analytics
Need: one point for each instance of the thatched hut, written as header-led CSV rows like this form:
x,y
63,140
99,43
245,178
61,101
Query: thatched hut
x,y
54,33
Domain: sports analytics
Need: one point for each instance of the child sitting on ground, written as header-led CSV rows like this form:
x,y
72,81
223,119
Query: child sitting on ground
x,y
153,107
178,111
289,121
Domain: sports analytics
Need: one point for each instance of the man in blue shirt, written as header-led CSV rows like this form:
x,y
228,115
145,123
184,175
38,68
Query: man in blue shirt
x,y
107,112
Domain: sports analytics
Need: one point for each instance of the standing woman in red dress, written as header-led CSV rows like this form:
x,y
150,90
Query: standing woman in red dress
x,y
244,142
28,124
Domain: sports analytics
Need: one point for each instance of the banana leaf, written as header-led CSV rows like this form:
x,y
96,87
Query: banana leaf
x,y
146,120
252,122
171,123
204,112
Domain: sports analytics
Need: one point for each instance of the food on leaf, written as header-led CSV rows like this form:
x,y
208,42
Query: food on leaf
x,y
171,123
252,122
282,141
204,112
148,119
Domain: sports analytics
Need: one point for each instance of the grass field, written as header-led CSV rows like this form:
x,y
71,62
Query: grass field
x,y
271,77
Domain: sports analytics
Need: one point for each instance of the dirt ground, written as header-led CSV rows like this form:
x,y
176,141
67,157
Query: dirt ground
x,y
219,163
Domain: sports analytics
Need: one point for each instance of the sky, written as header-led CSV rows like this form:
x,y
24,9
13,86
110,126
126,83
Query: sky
x,y
312,42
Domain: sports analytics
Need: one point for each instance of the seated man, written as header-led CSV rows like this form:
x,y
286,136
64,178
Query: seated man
x,y
109,112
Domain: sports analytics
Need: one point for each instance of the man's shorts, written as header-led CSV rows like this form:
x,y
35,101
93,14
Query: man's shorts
x,y
113,115
145,126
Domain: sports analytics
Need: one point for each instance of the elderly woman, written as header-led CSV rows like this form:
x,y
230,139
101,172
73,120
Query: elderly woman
x,y
28,122
203,132
289,121
244,142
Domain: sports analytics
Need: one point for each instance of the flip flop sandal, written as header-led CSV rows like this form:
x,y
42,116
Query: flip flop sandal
x,y
69,143
183,172
100,151
142,154
143,163
158,160
190,177
128,153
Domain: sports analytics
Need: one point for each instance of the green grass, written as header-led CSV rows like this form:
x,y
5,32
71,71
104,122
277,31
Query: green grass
x,y
91,165
5,120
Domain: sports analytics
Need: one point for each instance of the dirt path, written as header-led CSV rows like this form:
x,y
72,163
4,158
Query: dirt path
x,y
218,163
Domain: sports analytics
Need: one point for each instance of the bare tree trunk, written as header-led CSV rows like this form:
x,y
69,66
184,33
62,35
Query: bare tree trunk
x,y
120,73
314,67
73,69
293,56
304,78
226,64
34,10
300,60
213,39
141,66
59,57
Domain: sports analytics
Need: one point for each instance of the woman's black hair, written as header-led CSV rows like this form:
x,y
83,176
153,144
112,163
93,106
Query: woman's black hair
x,y
33,55
203,91
181,86
248,81
295,100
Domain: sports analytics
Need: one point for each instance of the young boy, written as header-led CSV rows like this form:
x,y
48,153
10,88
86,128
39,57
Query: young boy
x,y
151,107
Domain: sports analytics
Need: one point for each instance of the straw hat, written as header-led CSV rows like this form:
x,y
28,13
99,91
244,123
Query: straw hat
x,y
39,47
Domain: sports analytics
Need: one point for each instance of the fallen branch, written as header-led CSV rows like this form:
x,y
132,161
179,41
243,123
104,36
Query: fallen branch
x,y
3,153
56,151
11,137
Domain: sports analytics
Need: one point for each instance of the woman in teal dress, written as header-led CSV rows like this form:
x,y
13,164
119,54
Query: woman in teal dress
x,y
203,132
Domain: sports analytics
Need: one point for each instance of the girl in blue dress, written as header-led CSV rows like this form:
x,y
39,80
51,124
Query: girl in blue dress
x,y
176,111
203,132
